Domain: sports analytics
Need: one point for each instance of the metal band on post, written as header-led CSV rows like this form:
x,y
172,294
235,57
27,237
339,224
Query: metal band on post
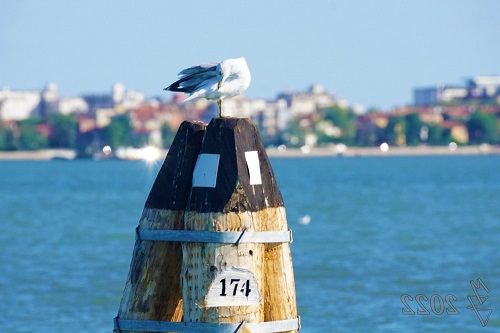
x,y
123,325
199,236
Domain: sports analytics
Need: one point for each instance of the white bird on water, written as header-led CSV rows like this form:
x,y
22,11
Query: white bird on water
x,y
214,81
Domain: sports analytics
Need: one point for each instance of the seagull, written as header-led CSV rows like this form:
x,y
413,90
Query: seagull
x,y
214,81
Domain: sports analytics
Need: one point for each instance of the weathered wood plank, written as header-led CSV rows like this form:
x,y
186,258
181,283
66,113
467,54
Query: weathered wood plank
x,y
152,290
233,212
234,205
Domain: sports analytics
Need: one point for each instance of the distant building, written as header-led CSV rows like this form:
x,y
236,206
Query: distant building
x,y
438,94
86,123
103,116
98,101
484,86
49,103
477,87
427,114
307,103
127,99
458,130
72,105
18,104
119,99
270,117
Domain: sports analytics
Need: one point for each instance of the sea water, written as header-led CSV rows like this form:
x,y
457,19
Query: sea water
x,y
375,239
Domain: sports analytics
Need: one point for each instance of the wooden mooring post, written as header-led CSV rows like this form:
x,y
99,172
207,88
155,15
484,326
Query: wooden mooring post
x,y
153,289
213,246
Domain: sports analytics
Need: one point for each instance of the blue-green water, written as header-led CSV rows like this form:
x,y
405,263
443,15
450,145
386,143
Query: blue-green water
x,y
380,228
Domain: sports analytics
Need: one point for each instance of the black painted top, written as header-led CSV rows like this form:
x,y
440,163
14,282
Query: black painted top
x,y
231,138
173,182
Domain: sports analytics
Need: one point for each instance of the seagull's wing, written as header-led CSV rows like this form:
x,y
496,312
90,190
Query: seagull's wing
x,y
198,69
189,84
191,78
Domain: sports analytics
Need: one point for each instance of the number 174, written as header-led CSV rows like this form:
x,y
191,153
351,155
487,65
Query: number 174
x,y
245,287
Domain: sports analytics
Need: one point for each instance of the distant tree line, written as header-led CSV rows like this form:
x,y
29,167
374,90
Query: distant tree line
x,y
331,125
406,130
57,131
61,131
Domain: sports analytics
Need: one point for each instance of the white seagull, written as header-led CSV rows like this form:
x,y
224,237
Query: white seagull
x,y
214,81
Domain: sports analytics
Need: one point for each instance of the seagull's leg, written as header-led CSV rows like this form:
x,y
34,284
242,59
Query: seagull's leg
x,y
219,103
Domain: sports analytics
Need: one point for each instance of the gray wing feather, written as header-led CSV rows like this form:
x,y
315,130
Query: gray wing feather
x,y
191,78
200,69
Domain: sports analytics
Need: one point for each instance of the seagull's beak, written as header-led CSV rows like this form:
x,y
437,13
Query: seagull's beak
x,y
224,72
224,78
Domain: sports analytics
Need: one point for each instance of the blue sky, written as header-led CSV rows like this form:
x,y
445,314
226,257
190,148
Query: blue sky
x,y
371,53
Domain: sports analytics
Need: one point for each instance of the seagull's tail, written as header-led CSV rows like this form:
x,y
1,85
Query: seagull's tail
x,y
190,97
176,86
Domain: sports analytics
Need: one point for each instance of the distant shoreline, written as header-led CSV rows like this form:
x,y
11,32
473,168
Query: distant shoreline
x,y
38,155
333,151
392,151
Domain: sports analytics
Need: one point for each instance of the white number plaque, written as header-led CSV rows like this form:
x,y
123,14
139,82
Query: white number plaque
x,y
233,287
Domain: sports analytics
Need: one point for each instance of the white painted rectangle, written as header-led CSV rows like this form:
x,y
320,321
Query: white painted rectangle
x,y
233,287
205,170
253,164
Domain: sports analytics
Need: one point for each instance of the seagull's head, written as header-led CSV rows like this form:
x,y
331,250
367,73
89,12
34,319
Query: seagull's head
x,y
233,67
224,70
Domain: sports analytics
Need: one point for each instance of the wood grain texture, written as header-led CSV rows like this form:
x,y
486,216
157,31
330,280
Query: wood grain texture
x,y
279,294
169,281
202,262
235,205
153,290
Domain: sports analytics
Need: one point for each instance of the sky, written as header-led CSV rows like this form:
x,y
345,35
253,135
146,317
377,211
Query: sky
x,y
369,53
